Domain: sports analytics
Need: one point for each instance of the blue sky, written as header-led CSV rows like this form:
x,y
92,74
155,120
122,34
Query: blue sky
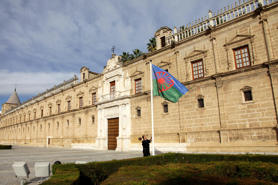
x,y
44,42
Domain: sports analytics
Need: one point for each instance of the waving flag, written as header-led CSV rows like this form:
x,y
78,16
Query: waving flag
x,y
166,86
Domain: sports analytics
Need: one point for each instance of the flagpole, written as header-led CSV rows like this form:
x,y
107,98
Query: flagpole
x,y
151,80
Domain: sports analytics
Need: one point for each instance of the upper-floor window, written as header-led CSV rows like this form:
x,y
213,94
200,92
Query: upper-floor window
x,y
69,106
83,76
197,69
163,43
50,110
80,102
35,115
242,57
138,85
112,88
94,98
59,108
41,113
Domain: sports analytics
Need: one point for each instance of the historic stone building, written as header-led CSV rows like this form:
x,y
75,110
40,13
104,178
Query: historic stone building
x,y
229,63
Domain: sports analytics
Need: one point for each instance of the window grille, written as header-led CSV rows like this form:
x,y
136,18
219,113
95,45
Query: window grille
x,y
242,57
197,69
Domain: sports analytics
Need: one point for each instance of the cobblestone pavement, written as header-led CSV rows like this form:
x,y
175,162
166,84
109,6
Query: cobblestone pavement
x,y
35,154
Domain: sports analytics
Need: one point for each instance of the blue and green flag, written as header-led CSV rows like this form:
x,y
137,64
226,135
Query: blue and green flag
x,y
166,86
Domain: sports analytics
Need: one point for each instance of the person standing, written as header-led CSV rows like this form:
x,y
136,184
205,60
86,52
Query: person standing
x,y
146,145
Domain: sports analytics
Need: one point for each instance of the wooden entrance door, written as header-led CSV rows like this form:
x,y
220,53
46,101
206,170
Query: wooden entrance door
x,y
113,132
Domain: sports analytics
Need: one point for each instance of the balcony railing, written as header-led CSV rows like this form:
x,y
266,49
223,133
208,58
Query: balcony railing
x,y
227,14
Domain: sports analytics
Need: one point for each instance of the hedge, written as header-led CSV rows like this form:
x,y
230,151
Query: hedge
x,y
96,172
4,147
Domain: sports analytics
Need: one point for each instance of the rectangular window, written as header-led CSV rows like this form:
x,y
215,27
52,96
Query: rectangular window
x,y
163,43
197,69
34,115
201,103
80,102
112,89
83,76
58,108
69,106
248,95
94,98
138,111
93,119
165,108
50,111
138,86
41,113
242,57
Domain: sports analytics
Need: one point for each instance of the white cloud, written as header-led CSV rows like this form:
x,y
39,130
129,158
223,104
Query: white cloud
x,y
30,82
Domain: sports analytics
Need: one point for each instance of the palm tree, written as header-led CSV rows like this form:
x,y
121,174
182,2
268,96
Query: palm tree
x,y
151,46
137,53
125,56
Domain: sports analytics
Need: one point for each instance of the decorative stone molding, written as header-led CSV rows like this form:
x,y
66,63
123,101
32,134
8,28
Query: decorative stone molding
x,y
84,68
58,102
164,103
137,73
50,105
163,64
246,88
68,98
238,38
93,89
237,41
80,93
196,52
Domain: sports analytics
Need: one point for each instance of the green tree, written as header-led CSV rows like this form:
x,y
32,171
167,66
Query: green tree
x,y
126,56
151,46
137,53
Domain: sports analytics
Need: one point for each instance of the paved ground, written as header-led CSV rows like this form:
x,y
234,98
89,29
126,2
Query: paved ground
x,y
35,154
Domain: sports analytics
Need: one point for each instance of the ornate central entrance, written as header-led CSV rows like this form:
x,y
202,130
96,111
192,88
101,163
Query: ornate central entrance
x,y
113,133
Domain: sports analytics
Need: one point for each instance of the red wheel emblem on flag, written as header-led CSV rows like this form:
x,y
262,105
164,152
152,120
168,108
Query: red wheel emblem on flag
x,y
164,80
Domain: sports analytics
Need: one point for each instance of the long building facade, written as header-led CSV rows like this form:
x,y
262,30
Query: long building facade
x,y
229,63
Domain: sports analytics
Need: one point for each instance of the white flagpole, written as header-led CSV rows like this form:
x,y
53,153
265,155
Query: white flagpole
x,y
151,80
